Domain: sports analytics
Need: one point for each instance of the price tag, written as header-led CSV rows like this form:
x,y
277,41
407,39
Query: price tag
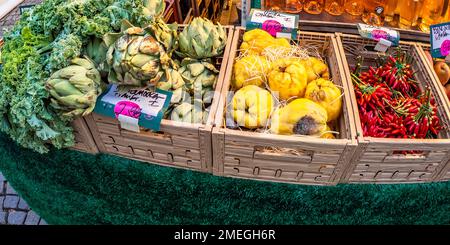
x,y
383,45
134,108
129,123
277,24
245,10
440,40
386,37
25,8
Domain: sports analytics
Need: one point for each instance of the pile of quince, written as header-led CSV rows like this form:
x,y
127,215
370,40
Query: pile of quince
x,y
279,90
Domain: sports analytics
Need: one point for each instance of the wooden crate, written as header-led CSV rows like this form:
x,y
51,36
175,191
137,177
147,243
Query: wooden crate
x,y
83,138
444,175
182,145
189,16
304,160
374,160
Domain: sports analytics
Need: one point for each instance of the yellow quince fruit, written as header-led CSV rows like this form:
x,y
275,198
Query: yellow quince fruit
x,y
252,106
326,94
250,70
257,40
315,69
288,77
301,116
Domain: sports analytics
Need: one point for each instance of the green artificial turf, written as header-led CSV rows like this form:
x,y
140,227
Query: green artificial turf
x,y
67,187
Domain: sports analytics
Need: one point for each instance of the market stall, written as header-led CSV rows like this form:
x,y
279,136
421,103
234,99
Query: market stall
x,y
322,101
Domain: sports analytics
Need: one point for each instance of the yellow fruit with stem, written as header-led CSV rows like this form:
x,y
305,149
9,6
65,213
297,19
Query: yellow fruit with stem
x,y
301,116
288,78
252,107
326,94
256,41
316,69
250,70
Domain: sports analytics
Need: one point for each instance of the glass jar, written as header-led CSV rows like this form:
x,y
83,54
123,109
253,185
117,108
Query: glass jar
x,y
354,7
335,7
374,12
313,6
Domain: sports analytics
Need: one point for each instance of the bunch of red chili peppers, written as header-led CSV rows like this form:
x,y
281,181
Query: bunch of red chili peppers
x,y
391,103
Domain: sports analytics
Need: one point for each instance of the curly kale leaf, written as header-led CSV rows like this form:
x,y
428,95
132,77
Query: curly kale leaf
x,y
23,113
44,40
61,51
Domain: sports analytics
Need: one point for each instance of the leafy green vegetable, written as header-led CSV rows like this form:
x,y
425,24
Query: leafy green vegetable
x,y
44,40
22,95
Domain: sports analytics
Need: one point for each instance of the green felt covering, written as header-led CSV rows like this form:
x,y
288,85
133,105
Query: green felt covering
x,y
67,187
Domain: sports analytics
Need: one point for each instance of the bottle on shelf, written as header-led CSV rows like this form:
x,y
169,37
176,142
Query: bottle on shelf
x,y
275,5
445,12
354,7
313,6
374,12
335,7
392,12
447,15
294,6
431,13
409,11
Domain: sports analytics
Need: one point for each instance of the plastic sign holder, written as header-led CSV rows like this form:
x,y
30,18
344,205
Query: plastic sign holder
x,y
386,37
440,41
134,108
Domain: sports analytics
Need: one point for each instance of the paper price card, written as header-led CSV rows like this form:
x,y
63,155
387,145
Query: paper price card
x,y
134,107
440,40
275,23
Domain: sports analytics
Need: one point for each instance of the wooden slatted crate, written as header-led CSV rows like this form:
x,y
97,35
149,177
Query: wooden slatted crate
x,y
189,16
83,138
302,160
444,175
376,159
182,145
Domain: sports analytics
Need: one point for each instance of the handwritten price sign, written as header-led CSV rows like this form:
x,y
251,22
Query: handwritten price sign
x,y
440,40
136,107
275,23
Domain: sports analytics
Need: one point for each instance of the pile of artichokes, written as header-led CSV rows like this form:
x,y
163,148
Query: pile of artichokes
x,y
193,90
152,57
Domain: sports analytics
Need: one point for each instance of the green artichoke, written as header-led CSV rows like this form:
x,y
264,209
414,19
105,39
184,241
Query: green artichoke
x,y
96,51
172,81
74,89
198,75
192,86
166,34
202,39
154,7
188,113
136,58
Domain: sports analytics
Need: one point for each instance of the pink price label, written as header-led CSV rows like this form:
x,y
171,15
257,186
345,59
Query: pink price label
x,y
128,109
379,34
272,27
445,48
